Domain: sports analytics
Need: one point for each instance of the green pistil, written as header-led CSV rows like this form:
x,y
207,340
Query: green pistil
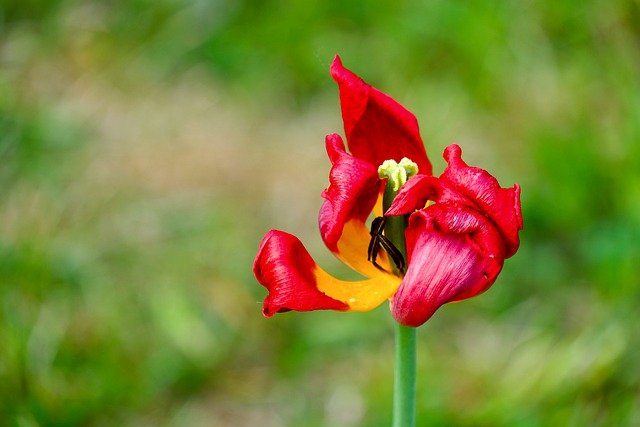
x,y
398,173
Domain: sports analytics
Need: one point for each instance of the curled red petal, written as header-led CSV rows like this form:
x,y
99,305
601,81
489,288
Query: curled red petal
x,y
286,269
353,190
454,253
420,189
377,127
501,205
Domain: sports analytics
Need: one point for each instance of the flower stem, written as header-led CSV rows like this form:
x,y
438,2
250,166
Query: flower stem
x,y
404,390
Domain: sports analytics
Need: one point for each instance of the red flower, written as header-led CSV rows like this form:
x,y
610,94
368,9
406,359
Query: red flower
x,y
462,225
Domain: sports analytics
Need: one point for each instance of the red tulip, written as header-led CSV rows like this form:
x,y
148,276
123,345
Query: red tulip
x,y
462,225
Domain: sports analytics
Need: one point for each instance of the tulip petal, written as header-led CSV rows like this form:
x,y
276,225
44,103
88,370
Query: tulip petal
x,y
352,249
501,205
361,295
286,269
454,253
420,189
377,127
295,282
354,190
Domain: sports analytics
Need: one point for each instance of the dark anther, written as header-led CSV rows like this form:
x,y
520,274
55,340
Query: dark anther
x,y
379,240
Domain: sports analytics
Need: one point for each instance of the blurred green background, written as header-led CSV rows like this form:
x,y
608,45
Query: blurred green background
x,y
147,146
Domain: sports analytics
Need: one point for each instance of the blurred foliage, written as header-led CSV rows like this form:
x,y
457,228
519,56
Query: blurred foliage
x,y
128,222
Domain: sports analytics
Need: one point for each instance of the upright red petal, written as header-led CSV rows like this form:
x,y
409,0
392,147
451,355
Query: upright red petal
x,y
501,205
286,269
376,126
454,253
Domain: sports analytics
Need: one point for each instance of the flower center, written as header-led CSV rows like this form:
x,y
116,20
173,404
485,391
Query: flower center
x,y
392,241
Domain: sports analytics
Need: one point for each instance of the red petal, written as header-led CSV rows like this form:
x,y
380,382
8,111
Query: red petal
x,y
377,127
286,269
501,205
295,282
420,189
352,194
454,253
353,190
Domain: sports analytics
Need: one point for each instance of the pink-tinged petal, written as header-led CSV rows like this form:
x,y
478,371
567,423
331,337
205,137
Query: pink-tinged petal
x,y
501,205
377,127
353,190
286,269
295,282
454,253
420,189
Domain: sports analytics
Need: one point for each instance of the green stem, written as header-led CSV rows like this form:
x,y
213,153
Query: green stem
x,y
404,390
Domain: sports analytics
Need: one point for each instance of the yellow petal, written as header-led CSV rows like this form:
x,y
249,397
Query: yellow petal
x,y
363,295
353,248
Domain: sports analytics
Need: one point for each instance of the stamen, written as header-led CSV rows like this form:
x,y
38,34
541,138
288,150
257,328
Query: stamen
x,y
379,240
